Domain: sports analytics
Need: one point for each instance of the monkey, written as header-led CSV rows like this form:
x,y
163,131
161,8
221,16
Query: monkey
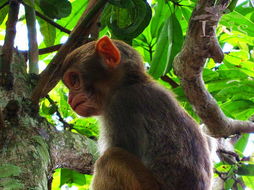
x,y
121,170
140,121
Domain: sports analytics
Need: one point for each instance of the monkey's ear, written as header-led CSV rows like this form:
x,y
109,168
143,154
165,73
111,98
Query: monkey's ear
x,y
108,51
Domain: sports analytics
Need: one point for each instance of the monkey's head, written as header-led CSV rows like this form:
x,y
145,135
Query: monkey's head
x,y
95,70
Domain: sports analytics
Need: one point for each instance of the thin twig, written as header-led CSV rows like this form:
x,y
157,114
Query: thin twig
x,y
169,81
5,4
52,23
60,118
43,50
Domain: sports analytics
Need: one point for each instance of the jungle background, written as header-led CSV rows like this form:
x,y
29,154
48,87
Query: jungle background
x,y
49,146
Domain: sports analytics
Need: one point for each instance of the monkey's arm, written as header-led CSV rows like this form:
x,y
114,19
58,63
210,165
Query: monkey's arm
x,y
118,169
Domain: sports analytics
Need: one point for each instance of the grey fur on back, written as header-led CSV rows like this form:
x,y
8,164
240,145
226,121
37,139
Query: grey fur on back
x,y
144,119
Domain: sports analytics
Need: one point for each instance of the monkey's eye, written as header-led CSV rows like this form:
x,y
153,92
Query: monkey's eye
x,y
74,81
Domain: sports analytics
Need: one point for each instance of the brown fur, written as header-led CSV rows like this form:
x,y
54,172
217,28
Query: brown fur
x,y
144,119
118,168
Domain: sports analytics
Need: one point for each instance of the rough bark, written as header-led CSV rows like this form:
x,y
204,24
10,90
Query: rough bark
x,y
30,148
201,43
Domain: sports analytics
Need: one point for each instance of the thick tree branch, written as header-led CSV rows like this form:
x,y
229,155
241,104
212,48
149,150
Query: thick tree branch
x,y
201,43
80,35
33,53
75,153
6,78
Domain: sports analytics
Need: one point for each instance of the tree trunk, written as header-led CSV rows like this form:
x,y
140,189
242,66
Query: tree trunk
x,y
30,148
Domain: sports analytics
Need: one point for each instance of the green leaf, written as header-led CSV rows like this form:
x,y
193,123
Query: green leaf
x,y
55,8
168,45
234,107
162,12
78,7
229,183
238,22
69,176
235,92
246,170
127,24
87,127
159,62
48,31
209,75
3,13
216,85
121,3
241,144
63,105
232,5
231,74
175,36
249,181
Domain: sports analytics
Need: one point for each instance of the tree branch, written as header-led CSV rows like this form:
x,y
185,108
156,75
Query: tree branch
x,y
5,4
172,83
201,43
43,50
6,78
61,28
75,153
32,40
80,35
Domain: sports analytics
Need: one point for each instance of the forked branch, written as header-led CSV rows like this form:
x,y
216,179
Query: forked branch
x,y
201,43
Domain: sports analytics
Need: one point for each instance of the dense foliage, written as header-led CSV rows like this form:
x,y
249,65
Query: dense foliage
x,y
157,30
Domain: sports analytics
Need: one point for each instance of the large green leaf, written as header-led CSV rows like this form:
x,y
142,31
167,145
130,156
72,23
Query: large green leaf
x,y
246,170
162,12
249,181
121,3
159,62
238,22
209,75
168,45
55,8
235,92
48,31
3,13
235,107
87,127
78,7
127,24
175,36
241,144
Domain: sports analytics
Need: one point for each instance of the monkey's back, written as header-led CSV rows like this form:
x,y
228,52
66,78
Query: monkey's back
x,y
145,120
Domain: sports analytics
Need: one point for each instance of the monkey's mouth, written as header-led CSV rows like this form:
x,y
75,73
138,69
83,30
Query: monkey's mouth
x,y
74,107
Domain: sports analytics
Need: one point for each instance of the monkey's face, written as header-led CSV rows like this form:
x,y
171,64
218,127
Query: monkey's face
x,y
81,100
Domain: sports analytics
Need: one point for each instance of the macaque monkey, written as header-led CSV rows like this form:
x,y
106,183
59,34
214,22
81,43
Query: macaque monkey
x,y
147,141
